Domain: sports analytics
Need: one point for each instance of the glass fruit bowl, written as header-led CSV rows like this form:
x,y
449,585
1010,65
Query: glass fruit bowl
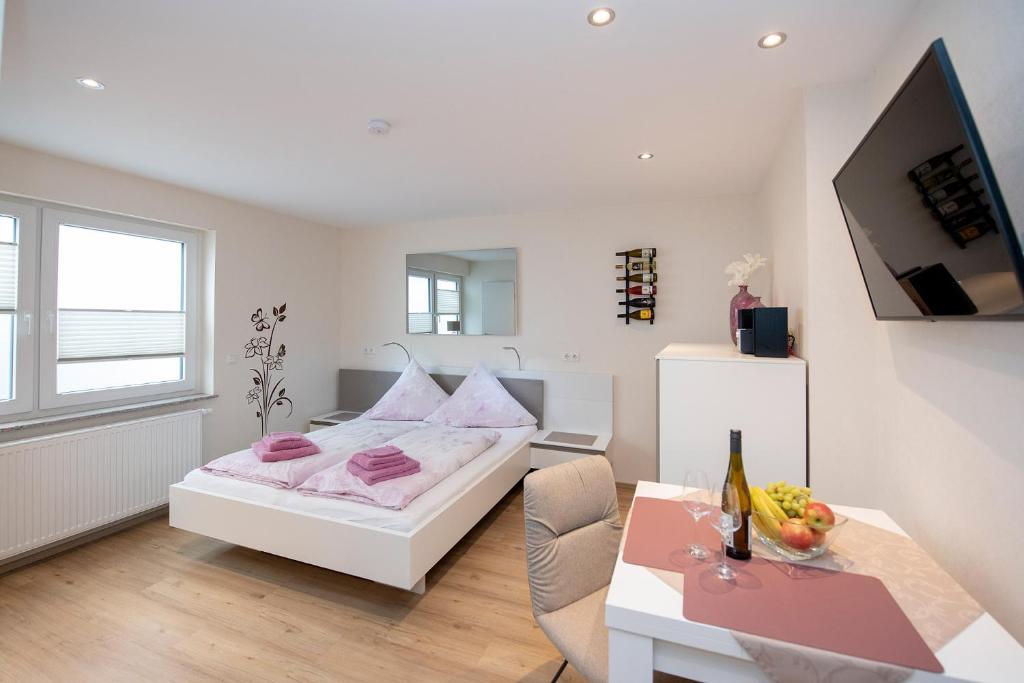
x,y
792,539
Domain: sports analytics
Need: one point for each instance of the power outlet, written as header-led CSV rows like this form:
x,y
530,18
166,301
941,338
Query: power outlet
x,y
571,356
369,350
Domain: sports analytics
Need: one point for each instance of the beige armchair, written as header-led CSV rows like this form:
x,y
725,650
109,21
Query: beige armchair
x,y
572,538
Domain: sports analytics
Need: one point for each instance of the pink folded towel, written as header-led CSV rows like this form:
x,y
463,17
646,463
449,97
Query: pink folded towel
x,y
282,441
381,451
378,463
266,454
371,477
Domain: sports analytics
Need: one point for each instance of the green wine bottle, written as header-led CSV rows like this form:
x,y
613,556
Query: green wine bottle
x,y
649,252
639,302
642,266
740,546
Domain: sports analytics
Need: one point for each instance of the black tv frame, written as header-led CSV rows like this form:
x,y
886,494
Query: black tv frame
x,y
985,173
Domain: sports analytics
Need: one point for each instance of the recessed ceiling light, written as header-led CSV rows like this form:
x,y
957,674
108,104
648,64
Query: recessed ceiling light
x,y
90,83
771,40
645,156
602,16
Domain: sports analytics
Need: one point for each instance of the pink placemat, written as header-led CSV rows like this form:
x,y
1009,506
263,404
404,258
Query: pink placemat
x,y
839,612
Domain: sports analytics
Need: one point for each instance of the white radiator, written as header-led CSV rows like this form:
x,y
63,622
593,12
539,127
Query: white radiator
x,y
54,487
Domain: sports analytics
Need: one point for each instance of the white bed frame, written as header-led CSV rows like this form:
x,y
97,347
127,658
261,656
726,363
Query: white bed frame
x,y
395,558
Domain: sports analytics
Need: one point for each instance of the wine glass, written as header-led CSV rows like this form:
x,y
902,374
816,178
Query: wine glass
x,y
726,519
697,501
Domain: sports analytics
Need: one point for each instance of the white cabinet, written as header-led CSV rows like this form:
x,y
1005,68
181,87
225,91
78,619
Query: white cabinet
x,y
704,390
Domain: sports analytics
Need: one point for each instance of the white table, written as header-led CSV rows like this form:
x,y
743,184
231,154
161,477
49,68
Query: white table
x,y
647,630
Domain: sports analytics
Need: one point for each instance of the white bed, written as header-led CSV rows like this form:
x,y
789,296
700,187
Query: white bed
x,y
404,520
394,547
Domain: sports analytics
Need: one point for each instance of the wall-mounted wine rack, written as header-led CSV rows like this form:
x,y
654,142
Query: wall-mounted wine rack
x,y
639,275
951,197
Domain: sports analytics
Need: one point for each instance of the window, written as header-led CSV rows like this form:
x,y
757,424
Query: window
x,y
17,303
434,303
421,319
119,300
447,294
93,308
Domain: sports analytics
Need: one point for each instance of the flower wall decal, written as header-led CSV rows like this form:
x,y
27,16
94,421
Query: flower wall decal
x,y
266,393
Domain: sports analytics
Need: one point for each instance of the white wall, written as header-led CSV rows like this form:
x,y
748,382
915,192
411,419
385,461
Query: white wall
x,y
782,206
920,418
262,259
566,297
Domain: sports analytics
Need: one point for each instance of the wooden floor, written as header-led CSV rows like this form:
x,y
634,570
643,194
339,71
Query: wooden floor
x,y
154,603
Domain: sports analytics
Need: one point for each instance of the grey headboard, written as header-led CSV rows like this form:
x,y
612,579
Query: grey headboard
x,y
360,389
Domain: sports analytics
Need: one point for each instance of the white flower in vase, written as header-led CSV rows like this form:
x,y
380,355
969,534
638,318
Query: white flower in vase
x,y
740,271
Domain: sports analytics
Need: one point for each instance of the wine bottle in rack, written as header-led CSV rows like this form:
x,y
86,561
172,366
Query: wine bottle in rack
x,y
639,302
942,175
952,206
639,253
640,277
965,217
642,314
642,266
639,290
921,170
949,189
971,231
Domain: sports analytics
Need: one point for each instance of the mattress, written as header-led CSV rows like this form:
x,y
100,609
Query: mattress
x,y
414,514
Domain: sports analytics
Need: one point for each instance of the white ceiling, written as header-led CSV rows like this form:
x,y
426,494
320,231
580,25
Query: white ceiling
x,y
496,106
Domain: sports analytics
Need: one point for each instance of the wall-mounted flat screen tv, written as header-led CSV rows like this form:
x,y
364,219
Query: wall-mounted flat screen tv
x,y
924,211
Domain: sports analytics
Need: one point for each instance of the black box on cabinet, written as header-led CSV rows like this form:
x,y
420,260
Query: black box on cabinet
x,y
745,330
771,329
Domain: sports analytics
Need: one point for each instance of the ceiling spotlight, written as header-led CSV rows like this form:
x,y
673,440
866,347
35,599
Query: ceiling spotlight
x,y
645,156
378,127
771,40
90,83
602,16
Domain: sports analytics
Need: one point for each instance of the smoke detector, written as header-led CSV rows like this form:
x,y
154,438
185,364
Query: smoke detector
x,y
378,127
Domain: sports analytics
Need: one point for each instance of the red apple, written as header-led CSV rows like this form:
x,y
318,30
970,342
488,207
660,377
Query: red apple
x,y
819,537
819,516
797,535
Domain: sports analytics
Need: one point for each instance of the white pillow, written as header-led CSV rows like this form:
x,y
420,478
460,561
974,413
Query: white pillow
x,y
413,397
481,401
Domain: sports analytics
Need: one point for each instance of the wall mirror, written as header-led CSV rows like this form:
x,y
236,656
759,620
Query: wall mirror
x,y
461,292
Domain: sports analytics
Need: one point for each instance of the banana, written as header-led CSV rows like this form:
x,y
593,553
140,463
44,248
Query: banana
x,y
766,520
769,506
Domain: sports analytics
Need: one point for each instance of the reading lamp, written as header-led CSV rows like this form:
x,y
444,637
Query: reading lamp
x,y
519,359
408,356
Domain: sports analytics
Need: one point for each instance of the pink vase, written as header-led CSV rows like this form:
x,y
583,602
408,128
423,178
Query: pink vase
x,y
743,299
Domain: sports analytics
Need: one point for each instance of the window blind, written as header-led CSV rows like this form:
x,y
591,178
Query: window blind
x,y
8,277
102,335
447,302
421,323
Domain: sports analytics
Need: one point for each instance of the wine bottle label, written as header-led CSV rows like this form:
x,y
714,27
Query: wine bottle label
x,y
646,289
637,265
645,314
939,194
646,253
948,208
970,232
